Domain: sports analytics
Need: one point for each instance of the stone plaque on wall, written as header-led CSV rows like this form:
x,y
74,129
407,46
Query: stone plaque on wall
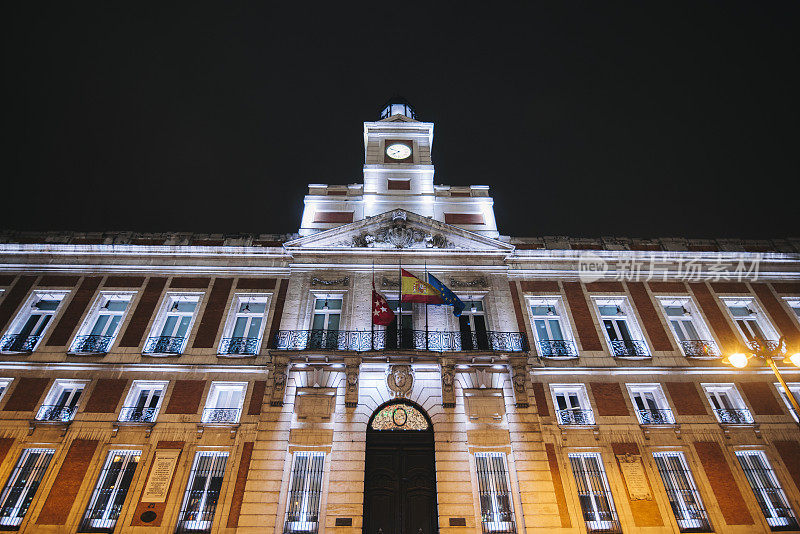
x,y
160,477
635,477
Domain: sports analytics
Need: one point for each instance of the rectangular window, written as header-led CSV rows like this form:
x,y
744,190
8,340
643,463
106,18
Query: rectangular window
x,y
684,498
767,490
110,492
21,486
102,324
400,332
552,333
32,322
245,325
202,492
690,331
497,508
650,404
173,324
594,493
622,333
572,404
473,333
794,305
305,491
727,404
143,401
750,320
4,382
794,389
325,322
61,402
224,402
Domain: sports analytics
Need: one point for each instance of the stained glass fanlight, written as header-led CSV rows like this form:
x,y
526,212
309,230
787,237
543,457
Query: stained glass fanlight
x,y
399,417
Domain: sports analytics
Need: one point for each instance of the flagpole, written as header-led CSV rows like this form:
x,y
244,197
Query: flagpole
x,y
372,310
399,299
426,307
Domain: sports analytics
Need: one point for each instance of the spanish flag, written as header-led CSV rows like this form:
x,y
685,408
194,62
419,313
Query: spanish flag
x,y
412,289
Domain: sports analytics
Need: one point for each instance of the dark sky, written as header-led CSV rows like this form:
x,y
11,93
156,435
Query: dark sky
x,y
598,118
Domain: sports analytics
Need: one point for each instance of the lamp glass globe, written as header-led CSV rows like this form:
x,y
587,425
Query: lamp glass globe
x,y
738,360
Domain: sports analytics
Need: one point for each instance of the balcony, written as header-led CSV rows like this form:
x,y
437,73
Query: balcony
x,y
575,417
56,413
699,348
91,344
729,416
164,345
629,348
18,343
662,416
221,416
557,349
363,341
137,414
238,346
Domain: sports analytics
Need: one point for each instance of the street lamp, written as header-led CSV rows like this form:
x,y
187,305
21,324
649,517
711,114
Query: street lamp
x,y
767,351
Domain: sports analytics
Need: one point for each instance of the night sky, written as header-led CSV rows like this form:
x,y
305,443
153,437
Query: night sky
x,y
600,118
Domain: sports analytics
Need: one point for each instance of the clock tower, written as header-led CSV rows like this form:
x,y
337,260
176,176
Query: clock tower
x,y
398,174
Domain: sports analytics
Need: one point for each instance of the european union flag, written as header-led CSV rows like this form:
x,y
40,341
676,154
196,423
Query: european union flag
x,y
448,296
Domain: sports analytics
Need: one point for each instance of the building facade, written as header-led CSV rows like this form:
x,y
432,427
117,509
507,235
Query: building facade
x,y
236,384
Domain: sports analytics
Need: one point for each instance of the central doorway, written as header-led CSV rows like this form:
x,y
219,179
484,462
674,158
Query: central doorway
x,y
400,477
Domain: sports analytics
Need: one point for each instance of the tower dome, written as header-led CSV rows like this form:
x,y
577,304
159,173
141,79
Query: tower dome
x,y
398,105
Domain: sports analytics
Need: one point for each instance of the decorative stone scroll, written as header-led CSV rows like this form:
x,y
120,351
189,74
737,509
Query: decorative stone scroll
x,y
448,383
338,282
352,366
400,380
399,235
280,370
477,282
519,380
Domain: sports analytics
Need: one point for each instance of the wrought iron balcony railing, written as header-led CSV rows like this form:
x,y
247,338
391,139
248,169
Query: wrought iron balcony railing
x,y
630,348
18,343
662,416
575,417
56,413
137,414
164,345
221,415
241,346
556,349
699,348
739,416
362,341
92,344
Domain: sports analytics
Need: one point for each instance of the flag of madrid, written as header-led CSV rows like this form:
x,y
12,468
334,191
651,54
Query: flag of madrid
x,y
382,313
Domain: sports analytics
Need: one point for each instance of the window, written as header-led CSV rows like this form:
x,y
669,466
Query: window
x,y
224,402
401,336
110,492
31,323
245,325
305,490
553,338
794,388
690,331
622,332
794,305
202,492
143,401
472,326
21,486
594,494
102,325
750,320
684,498
727,404
767,490
61,402
650,404
173,324
572,404
4,382
325,322
497,509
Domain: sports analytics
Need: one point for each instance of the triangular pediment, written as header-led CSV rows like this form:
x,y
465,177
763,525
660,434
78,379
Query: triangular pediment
x,y
398,117
399,229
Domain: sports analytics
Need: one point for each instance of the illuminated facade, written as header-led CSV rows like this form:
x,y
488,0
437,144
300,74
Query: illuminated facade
x,y
236,384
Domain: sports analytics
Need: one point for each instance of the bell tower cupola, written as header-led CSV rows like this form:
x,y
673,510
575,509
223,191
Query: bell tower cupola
x,y
397,105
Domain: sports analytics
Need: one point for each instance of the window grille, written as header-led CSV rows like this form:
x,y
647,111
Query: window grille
x,y
767,490
22,485
497,509
110,492
683,496
305,489
594,493
202,492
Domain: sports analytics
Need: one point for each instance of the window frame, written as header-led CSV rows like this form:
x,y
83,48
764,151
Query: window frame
x,y
561,315
159,323
30,482
584,403
132,396
57,388
758,315
601,525
183,524
665,413
793,303
777,489
511,493
26,312
4,383
631,322
734,396
327,296
689,485
95,311
233,315
306,483
216,417
794,387
698,323
87,523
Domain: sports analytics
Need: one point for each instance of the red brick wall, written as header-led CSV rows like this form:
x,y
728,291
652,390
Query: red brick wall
x,y
212,315
786,287
144,310
650,319
241,482
124,281
723,485
255,283
645,513
786,325
257,398
186,396
789,452
57,281
716,319
68,481
762,398
277,314
189,283
72,315
604,287
26,394
333,217
463,218
5,446
558,486
14,298
686,398
157,508
541,399
539,286
729,287
399,185
515,301
608,398
668,287
587,333
106,395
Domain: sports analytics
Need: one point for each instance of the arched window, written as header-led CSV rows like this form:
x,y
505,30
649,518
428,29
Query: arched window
x,y
399,416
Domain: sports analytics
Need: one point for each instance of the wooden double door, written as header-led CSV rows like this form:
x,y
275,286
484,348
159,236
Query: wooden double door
x,y
400,483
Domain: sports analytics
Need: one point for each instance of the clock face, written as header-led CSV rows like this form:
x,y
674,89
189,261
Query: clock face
x,y
398,151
